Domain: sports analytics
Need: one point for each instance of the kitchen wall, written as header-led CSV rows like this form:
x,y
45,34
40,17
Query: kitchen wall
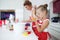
x,y
11,4
16,5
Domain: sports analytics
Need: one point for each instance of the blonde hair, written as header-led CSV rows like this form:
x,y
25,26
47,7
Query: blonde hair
x,y
43,7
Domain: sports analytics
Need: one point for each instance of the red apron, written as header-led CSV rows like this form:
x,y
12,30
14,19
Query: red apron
x,y
41,35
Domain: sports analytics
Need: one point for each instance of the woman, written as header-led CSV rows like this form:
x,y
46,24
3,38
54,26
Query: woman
x,y
39,26
28,6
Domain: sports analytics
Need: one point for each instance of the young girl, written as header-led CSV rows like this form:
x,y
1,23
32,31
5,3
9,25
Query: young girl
x,y
39,26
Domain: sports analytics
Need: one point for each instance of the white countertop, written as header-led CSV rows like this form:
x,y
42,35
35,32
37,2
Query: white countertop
x,y
5,34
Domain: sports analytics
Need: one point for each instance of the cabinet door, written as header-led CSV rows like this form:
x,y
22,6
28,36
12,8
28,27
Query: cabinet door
x,y
56,6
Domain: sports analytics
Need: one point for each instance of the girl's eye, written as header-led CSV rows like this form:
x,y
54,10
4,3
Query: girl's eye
x,y
42,9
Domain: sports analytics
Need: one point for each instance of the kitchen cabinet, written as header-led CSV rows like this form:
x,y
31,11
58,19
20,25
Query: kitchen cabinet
x,y
56,6
54,29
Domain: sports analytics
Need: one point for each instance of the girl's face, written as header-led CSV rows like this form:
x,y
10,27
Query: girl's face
x,y
28,7
40,13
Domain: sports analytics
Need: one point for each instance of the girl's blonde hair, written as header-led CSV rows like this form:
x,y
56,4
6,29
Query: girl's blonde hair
x,y
43,7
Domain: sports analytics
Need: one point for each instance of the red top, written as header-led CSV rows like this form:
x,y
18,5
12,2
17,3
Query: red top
x,y
40,35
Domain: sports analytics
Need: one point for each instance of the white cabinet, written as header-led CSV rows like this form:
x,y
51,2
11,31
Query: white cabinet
x,y
54,29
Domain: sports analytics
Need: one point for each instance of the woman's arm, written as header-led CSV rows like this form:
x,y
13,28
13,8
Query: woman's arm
x,y
27,21
33,17
43,26
34,12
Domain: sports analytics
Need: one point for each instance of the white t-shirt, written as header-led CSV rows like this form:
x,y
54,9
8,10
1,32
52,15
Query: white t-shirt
x,y
27,14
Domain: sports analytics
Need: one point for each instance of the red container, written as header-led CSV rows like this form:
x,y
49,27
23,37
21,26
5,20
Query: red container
x,y
0,23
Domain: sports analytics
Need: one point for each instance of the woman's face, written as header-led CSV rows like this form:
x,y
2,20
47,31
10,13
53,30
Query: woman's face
x,y
28,7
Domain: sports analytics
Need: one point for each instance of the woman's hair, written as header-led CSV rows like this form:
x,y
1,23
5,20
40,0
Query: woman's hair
x,y
43,7
27,2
